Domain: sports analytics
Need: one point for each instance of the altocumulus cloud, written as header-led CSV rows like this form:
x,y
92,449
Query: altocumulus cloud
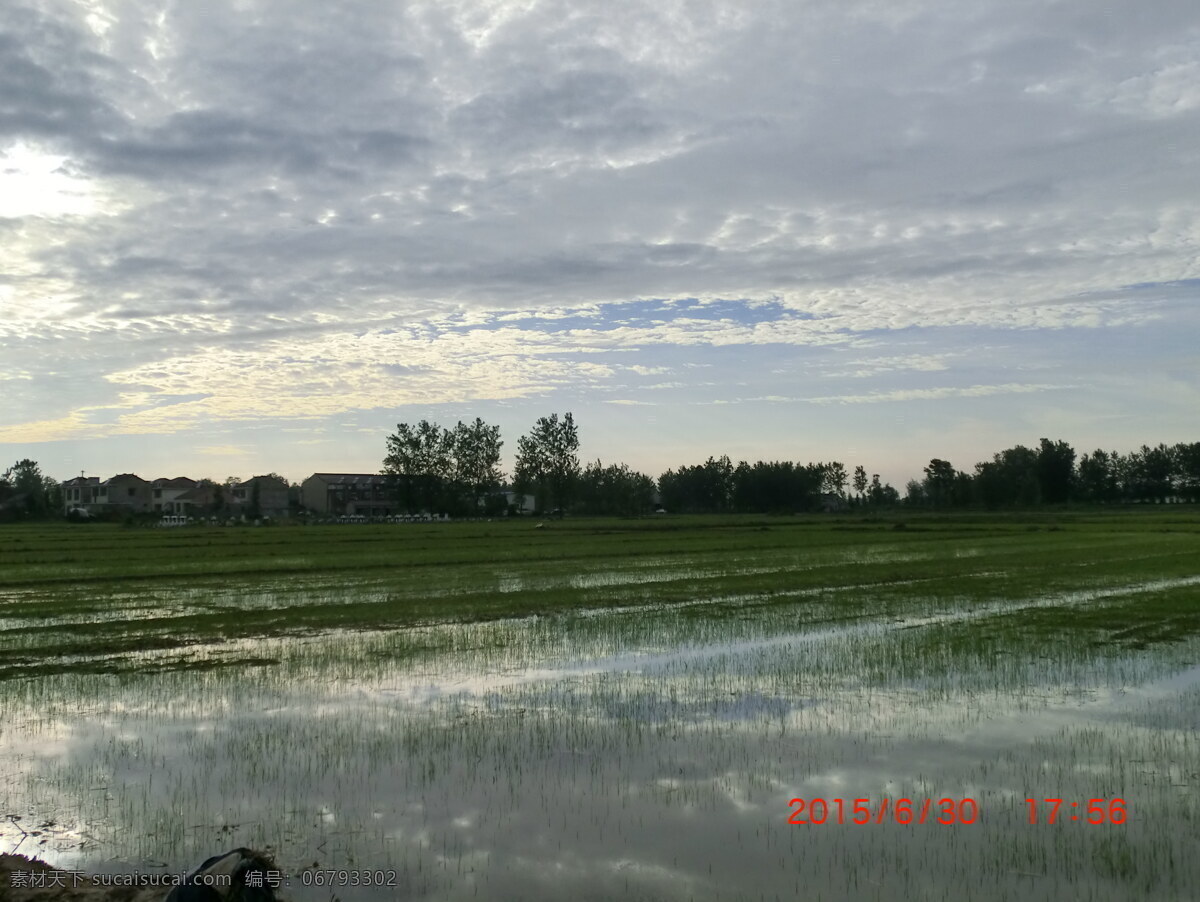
x,y
229,212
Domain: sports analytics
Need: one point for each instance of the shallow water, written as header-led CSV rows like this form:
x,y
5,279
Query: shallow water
x,y
644,753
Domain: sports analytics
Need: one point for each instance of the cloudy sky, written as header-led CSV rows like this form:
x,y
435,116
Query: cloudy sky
x,y
241,236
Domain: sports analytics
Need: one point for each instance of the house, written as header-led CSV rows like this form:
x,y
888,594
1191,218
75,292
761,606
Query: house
x,y
349,494
166,494
126,492
261,496
79,492
197,501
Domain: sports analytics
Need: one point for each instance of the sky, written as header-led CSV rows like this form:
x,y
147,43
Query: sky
x,y
239,237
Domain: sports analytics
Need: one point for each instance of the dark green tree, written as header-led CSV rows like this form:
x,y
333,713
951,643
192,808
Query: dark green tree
x,y
914,494
1187,466
860,481
1009,479
704,488
475,451
940,483
418,461
835,478
615,490
1055,471
1097,477
717,484
6,493
28,490
778,486
547,463
1149,473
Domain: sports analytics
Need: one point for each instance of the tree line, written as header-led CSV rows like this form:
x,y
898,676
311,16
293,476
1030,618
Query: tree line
x,y
1051,474
457,471
548,469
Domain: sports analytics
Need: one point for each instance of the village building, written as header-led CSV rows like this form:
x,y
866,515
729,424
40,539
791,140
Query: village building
x,y
261,496
125,493
349,494
166,494
79,492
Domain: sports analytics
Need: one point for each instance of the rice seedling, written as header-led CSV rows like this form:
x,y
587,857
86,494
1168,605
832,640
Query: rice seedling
x,y
616,709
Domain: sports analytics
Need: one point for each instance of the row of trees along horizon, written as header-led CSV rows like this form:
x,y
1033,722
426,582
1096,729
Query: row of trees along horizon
x,y
457,471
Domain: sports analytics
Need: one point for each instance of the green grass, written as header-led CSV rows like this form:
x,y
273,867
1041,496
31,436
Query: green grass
x,y
90,598
383,697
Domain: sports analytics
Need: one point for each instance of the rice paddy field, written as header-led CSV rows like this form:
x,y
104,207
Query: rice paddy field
x,y
665,709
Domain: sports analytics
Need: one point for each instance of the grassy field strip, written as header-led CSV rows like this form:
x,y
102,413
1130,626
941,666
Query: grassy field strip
x,y
585,657
98,554
639,661
114,637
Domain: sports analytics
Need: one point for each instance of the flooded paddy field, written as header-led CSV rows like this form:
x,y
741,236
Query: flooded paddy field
x,y
615,709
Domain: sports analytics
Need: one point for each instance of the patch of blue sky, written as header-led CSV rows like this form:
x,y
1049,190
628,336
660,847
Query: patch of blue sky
x,y
643,313
1176,284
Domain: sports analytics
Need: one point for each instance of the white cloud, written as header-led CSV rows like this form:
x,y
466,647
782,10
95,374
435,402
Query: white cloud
x,y
34,183
934,394
74,425
221,451
368,206
874,366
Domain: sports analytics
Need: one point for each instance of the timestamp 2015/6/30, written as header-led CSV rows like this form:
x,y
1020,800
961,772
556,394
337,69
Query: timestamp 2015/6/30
x,y
818,811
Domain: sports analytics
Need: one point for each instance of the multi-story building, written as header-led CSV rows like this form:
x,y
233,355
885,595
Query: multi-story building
x,y
79,492
125,492
269,494
166,494
198,501
263,496
349,494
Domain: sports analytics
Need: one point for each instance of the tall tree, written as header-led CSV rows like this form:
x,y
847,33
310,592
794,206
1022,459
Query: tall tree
x,y
717,484
860,481
476,452
419,462
547,463
914,494
24,480
940,480
1150,471
835,478
1187,466
1009,478
400,465
615,489
777,486
1055,471
1097,477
